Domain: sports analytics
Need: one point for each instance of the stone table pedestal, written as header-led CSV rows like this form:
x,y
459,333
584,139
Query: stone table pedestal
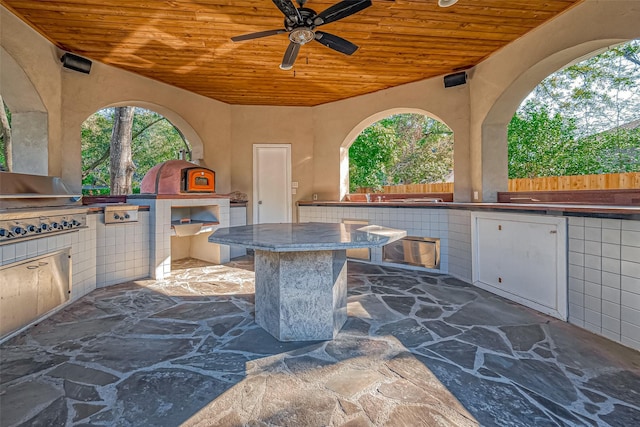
x,y
301,295
301,273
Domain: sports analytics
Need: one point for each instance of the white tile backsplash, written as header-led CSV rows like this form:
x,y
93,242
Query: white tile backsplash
x,y
630,268
631,238
630,284
595,259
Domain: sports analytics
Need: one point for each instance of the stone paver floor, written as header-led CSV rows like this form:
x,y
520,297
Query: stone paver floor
x,y
418,349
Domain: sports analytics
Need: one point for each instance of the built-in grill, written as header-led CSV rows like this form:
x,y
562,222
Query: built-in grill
x,y
33,206
34,282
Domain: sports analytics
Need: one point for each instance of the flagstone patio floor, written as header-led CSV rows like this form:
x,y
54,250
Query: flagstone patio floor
x,y
418,349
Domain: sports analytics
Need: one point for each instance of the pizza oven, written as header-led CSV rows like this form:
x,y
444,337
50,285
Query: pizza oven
x,y
175,177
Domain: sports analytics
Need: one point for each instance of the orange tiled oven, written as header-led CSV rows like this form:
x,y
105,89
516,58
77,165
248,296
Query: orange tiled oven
x,y
198,180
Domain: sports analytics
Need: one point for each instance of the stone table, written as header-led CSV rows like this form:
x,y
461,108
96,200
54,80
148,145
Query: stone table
x,y
301,273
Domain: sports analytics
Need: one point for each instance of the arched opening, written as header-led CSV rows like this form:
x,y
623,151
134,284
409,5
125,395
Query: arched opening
x,y
581,120
398,150
153,139
494,127
27,122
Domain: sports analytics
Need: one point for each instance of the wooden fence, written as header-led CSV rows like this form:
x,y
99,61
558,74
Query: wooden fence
x,y
610,181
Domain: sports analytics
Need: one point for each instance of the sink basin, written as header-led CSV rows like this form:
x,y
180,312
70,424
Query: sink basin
x,y
417,200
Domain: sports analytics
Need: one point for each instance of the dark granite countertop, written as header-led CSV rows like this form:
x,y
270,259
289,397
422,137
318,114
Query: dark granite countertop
x,y
569,209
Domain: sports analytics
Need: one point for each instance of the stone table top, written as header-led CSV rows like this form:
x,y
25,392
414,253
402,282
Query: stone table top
x,y
309,236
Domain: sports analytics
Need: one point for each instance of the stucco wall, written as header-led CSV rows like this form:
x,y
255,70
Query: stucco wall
x,y
273,125
500,83
205,122
30,84
477,112
70,97
338,124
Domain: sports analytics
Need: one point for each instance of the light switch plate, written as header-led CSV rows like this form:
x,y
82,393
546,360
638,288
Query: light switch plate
x,y
294,184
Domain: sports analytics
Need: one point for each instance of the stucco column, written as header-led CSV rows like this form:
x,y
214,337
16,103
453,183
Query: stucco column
x,y
30,133
494,161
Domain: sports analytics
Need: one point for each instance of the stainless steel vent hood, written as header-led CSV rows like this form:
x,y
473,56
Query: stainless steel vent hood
x,y
19,190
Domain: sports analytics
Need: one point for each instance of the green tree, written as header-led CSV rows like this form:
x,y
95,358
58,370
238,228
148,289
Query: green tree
x,y
401,149
539,143
600,93
154,140
371,155
425,149
577,120
6,144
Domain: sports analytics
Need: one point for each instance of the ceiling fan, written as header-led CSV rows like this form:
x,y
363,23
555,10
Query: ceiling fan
x,y
301,24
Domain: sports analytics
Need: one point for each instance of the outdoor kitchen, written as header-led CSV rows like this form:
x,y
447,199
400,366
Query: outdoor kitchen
x,y
175,305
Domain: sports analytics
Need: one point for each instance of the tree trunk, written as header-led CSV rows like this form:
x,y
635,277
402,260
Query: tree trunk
x,y
122,166
6,132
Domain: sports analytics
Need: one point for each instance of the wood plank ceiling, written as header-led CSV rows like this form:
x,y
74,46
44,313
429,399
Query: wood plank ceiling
x,y
186,43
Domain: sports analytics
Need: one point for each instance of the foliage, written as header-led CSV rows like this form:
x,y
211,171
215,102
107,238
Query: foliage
x,y
371,155
155,140
403,148
539,143
3,160
600,93
573,123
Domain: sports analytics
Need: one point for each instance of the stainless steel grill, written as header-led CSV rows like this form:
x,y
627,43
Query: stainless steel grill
x,y
33,206
31,224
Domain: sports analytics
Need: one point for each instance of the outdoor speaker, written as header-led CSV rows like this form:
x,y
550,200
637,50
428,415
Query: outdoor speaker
x,y
456,79
76,63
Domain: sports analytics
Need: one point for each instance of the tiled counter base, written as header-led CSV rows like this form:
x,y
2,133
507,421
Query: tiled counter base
x,y
417,349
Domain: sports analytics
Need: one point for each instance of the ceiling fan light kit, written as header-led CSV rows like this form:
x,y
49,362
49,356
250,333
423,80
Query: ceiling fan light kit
x,y
446,3
301,24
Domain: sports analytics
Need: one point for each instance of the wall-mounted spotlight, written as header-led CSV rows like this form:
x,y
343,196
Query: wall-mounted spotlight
x,y
76,63
446,3
455,79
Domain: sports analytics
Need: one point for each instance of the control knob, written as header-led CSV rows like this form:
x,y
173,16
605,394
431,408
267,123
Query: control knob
x,y
18,231
32,228
4,232
64,224
55,225
44,226
75,223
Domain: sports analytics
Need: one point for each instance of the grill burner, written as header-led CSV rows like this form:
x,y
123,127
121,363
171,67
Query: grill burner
x,y
34,206
30,224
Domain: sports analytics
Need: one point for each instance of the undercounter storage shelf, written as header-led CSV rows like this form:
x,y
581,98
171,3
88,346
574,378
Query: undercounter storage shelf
x,y
205,215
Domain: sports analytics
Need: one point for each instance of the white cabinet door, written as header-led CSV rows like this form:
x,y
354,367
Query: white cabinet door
x,y
523,258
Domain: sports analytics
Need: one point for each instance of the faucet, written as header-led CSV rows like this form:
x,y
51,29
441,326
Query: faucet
x,y
368,197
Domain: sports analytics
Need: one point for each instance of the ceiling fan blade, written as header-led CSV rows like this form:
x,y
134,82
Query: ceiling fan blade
x,y
290,56
340,10
336,43
257,35
289,10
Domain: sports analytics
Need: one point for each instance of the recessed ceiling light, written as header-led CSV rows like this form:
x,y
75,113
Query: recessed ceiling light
x,y
446,3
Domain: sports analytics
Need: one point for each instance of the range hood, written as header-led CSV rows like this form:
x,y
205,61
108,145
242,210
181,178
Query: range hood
x,y
19,190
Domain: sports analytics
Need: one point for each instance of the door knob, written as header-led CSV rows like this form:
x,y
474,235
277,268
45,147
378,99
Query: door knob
x,y
259,202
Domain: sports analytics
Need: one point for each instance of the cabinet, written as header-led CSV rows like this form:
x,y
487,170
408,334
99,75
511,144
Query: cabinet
x,y
522,258
30,289
237,217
